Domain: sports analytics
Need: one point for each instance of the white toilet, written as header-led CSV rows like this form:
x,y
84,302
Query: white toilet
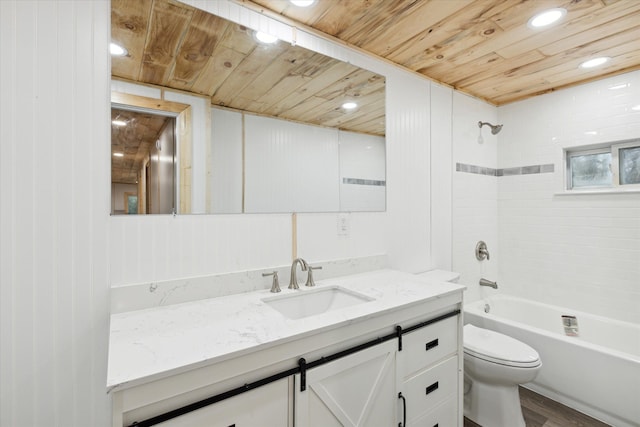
x,y
494,365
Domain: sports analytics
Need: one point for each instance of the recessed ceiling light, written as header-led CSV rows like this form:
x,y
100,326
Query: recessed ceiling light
x,y
546,18
265,38
349,105
636,107
118,122
302,3
118,155
117,50
595,62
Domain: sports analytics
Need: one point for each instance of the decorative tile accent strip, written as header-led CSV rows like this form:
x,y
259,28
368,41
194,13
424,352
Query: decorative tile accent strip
x,y
359,181
480,170
520,170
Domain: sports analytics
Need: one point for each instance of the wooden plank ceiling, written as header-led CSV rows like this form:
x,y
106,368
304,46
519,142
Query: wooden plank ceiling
x,y
483,47
480,47
174,45
131,143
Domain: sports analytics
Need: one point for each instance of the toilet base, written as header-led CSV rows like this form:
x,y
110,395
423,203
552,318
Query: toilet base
x,y
492,405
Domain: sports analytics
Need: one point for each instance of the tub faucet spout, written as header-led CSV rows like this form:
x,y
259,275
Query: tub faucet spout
x,y
489,283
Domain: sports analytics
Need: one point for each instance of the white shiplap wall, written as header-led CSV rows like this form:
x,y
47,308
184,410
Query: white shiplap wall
x,y
54,212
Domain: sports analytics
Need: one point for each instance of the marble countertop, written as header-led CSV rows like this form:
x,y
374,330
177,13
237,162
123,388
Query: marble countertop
x,y
147,344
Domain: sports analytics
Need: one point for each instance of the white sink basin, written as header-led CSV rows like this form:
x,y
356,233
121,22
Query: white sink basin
x,y
306,303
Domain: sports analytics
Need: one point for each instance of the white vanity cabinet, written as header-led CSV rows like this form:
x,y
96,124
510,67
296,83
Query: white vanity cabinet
x,y
396,361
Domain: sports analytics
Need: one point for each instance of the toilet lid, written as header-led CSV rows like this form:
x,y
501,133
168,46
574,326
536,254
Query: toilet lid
x,y
498,348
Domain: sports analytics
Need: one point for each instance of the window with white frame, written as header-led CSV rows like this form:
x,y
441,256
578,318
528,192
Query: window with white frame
x,y
613,166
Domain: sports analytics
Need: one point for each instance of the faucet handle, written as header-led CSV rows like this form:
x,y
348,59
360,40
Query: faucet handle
x,y
310,281
481,251
275,286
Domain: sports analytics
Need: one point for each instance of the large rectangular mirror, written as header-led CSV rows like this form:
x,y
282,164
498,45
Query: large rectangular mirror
x,y
280,136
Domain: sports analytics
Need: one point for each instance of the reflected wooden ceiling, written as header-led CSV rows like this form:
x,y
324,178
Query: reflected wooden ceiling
x,y
177,46
483,47
131,143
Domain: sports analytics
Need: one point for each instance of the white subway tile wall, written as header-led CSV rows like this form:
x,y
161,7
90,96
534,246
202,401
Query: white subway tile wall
x,y
579,251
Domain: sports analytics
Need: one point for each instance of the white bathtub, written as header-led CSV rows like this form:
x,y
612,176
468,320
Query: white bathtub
x,y
597,373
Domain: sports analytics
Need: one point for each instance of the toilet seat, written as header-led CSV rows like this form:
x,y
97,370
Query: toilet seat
x,y
498,348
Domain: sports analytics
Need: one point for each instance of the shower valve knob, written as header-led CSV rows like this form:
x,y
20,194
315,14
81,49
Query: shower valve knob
x,y
482,252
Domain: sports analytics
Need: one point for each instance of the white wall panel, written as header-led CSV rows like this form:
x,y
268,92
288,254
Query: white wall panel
x,y
54,112
442,167
318,238
408,172
226,161
163,247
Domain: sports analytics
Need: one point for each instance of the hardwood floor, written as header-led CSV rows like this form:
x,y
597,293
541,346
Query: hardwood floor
x,y
539,411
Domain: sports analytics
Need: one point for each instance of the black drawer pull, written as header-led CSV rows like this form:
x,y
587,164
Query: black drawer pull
x,y
433,387
404,410
431,344
435,425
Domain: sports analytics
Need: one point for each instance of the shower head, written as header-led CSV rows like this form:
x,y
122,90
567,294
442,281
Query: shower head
x,y
495,129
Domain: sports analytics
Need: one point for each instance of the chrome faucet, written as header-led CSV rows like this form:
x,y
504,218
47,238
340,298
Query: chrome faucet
x,y
293,282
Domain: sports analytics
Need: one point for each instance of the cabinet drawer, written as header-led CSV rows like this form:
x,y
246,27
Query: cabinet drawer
x,y
426,346
444,415
430,388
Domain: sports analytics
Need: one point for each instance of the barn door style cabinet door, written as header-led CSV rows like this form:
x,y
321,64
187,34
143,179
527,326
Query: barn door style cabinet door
x,y
265,406
353,391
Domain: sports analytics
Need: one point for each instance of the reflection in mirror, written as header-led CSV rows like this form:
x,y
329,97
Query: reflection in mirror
x,y
280,135
142,162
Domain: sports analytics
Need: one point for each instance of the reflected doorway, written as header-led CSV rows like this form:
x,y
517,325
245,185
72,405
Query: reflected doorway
x,y
143,162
